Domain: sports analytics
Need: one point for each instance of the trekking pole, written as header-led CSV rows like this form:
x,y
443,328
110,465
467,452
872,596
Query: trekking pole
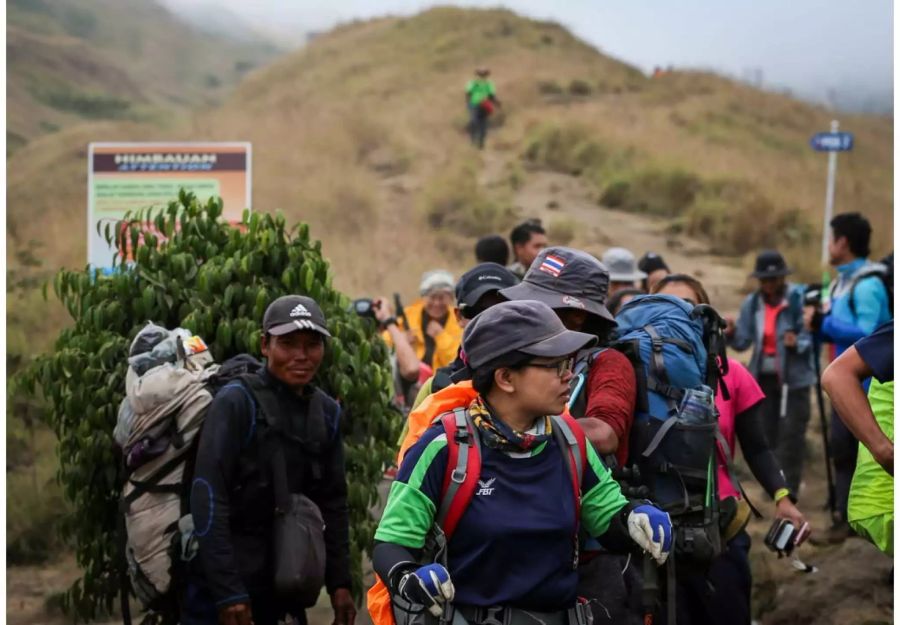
x,y
650,591
820,400
401,312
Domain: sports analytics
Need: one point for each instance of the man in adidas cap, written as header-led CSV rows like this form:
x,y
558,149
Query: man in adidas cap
x,y
233,496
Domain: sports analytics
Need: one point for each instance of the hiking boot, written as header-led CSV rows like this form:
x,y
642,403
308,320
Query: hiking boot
x,y
834,535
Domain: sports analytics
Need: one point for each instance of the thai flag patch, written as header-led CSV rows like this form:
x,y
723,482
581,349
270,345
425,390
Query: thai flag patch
x,y
552,265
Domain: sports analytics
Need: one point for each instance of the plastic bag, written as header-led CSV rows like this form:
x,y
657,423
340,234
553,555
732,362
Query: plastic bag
x,y
160,346
123,423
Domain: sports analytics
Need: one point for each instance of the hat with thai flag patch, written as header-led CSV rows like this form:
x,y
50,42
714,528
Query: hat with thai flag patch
x,y
562,277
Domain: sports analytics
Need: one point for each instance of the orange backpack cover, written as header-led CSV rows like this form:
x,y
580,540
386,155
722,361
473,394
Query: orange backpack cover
x,y
378,599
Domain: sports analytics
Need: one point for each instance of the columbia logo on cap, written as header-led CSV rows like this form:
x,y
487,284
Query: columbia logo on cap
x,y
489,277
300,311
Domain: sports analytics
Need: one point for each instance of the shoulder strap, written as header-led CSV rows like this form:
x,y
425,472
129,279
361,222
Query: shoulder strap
x,y
463,469
570,438
870,270
579,380
725,448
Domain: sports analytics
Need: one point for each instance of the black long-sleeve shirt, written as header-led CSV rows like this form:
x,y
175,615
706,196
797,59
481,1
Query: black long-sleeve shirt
x,y
233,500
750,431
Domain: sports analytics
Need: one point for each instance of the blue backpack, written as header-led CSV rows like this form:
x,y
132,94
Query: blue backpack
x,y
680,349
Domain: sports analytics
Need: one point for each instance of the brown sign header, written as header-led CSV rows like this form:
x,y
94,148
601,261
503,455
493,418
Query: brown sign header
x,y
168,162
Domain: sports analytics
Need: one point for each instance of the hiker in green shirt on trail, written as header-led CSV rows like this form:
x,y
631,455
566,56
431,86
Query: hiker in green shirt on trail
x,y
481,99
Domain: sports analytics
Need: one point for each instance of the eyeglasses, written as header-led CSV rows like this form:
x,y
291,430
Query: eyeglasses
x,y
563,366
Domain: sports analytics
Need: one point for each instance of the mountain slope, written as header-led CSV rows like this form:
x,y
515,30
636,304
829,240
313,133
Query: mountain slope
x,y
75,60
361,134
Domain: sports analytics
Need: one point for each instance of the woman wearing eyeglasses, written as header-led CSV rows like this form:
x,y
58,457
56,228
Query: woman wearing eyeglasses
x,y
512,549
575,285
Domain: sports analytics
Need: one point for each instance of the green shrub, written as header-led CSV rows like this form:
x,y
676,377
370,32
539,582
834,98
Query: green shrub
x,y
215,280
562,231
550,87
34,513
654,191
580,87
567,149
454,200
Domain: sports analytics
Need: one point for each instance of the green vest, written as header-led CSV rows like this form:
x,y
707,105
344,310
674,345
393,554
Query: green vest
x,y
870,509
479,90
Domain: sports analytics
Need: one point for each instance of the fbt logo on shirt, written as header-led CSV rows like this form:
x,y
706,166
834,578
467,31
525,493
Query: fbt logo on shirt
x,y
487,487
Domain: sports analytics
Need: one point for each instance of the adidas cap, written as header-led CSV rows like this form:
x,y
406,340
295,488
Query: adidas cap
x,y
292,313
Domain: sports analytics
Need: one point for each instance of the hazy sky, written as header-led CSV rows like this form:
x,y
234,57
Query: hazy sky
x,y
806,45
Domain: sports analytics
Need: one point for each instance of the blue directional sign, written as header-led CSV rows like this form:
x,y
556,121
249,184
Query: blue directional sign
x,y
832,141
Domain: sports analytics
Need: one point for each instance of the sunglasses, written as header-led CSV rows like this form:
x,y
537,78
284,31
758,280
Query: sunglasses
x,y
562,366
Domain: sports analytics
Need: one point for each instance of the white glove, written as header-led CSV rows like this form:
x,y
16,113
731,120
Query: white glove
x,y
430,586
651,528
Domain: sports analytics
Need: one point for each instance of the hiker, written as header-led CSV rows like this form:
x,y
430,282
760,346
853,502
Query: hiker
x,y
574,284
435,332
481,99
622,297
623,271
249,461
492,249
722,596
477,290
771,321
656,269
528,239
511,547
405,364
857,303
870,509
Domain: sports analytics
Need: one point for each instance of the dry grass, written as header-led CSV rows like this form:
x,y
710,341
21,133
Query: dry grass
x,y
363,128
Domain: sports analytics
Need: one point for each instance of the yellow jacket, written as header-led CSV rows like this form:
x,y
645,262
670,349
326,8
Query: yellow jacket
x,y
446,344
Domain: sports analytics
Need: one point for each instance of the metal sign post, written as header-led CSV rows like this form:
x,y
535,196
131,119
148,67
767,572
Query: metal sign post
x,y
831,142
829,196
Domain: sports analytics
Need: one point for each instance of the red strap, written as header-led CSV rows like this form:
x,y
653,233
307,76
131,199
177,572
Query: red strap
x,y
473,472
581,439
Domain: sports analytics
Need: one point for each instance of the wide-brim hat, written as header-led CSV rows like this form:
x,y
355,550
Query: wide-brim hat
x,y
563,277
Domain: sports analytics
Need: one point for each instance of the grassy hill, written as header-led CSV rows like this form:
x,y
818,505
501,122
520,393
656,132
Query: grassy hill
x,y
361,134
74,60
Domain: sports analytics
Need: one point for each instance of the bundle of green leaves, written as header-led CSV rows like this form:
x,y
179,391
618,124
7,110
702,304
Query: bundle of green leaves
x,y
195,270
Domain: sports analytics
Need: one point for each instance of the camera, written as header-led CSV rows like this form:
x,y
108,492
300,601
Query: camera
x,y
783,536
364,307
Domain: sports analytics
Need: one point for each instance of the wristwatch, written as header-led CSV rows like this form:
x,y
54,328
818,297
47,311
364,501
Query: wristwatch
x,y
388,322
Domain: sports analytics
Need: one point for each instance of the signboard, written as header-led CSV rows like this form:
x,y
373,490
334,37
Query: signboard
x,y
126,177
832,141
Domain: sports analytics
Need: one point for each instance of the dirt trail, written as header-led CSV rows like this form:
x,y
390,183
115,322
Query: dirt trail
x,y
557,198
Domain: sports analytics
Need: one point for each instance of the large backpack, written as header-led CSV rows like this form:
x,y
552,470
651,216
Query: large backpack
x,y
461,480
675,430
884,271
160,421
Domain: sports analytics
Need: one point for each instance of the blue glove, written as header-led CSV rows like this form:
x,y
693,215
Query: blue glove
x,y
430,586
651,528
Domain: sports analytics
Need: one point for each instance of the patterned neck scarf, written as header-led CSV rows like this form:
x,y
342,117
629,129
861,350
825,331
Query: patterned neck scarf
x,y
497,435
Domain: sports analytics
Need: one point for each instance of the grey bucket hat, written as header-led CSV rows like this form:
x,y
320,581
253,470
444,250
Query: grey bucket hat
x,y
562,277
526,326
622,265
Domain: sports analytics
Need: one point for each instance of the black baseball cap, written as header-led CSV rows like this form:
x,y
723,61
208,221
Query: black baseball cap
x,y
480,279
293,313
770,264
562,277
651,261
526,326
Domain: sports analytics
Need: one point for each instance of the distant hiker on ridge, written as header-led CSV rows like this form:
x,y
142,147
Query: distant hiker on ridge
x,y
481,100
